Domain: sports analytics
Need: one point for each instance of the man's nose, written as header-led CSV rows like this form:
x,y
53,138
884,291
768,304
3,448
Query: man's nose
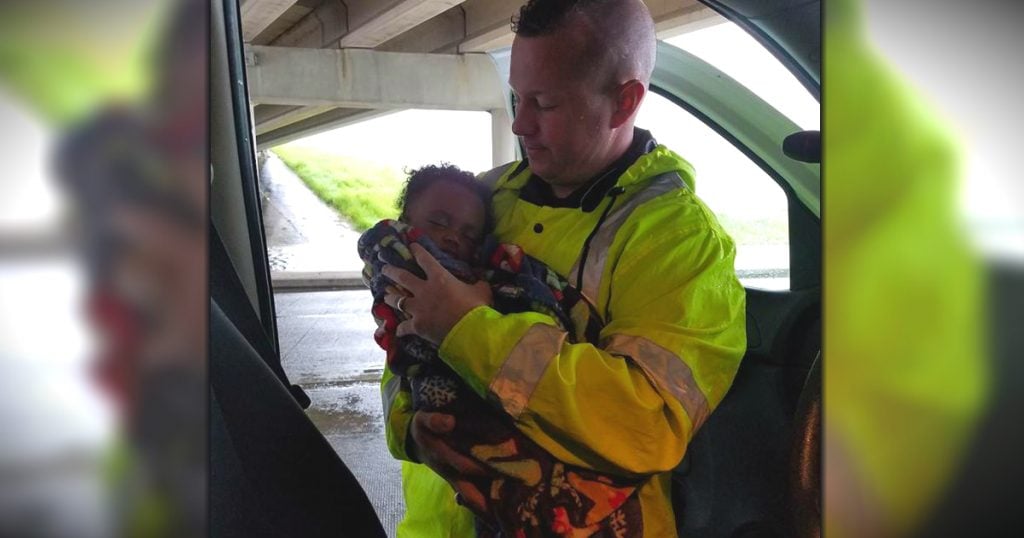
x,y
523,124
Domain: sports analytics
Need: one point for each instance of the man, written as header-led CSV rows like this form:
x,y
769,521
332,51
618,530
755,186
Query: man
x,y
602,203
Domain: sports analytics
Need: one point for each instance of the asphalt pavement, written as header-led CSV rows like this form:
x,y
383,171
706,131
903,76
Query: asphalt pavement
x,y
327,348
326,337
303,233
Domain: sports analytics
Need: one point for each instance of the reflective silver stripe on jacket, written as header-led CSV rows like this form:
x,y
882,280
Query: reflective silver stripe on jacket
x,y
388,393
602,242
666,369
524,366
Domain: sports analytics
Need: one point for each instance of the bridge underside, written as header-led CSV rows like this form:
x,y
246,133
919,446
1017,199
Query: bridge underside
x,y
315,65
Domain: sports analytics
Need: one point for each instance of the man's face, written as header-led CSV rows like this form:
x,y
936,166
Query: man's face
x,y
562,115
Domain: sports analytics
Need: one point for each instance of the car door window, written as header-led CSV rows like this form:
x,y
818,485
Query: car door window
x,y
750,205
733,51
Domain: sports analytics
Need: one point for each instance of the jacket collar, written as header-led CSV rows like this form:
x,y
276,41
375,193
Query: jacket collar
x,y
588,196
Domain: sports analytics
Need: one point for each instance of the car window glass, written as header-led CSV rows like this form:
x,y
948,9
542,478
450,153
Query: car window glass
x,y
734,52
748,203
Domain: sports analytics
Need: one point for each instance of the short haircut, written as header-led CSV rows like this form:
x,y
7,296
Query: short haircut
x,y
542,17
622,31
421,178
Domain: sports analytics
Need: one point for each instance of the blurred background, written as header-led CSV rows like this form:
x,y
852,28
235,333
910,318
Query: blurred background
x,y
103,267
923,222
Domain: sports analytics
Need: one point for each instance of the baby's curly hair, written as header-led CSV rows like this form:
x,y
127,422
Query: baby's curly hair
x,y
423,177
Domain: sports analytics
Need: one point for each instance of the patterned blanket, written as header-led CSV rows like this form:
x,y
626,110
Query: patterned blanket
x,y
529,493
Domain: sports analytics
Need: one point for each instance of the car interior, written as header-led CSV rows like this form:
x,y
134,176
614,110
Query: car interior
x,y
752,470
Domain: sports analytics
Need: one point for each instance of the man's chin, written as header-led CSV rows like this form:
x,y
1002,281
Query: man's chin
x,y
536,155
549,174
540,165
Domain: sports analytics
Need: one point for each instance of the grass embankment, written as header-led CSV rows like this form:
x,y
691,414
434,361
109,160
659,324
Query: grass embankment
x,y
365,193
362,192
756,231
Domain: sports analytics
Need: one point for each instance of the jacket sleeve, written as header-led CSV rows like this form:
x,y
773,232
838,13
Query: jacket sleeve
x,y
395,397
632,404
398,414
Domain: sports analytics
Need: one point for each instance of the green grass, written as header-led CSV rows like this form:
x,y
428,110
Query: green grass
x,y
361,192
365,193
756,231
66,68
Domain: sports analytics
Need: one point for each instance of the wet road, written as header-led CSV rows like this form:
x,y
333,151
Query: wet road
x,y
326,337
303,233
327,348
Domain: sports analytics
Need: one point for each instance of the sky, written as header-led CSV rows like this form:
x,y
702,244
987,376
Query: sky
x,y
412,138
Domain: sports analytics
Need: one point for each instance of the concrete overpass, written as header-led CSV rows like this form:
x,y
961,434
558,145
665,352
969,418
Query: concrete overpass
x,y
315,65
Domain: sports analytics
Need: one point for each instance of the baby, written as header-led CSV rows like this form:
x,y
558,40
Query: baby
x,y
529,493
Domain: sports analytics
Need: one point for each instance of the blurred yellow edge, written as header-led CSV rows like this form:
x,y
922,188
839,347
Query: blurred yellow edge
x,y
906,375
67,61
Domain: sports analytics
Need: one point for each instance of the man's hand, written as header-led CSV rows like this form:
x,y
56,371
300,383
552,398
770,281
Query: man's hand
x,y
428,432
436,304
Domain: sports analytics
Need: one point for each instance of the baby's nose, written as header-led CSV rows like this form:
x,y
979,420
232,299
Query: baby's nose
x,y
452,239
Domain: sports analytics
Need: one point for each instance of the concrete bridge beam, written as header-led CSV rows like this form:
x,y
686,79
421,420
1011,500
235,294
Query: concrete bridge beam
x,y
360,78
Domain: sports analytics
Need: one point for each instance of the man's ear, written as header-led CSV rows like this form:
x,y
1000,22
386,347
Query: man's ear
x,y
627,101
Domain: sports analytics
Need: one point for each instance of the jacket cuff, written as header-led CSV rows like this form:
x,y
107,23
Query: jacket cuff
x,y
399,437
477,346
408,445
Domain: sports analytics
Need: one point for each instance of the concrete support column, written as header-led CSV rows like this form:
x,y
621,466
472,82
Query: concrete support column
x,y
502,140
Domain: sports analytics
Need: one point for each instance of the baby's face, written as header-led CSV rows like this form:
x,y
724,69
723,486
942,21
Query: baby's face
x,y
452,216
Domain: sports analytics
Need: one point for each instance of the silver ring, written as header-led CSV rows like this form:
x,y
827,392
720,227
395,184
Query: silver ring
x,y
398,304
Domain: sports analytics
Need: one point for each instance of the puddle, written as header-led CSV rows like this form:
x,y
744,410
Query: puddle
x,y
346,408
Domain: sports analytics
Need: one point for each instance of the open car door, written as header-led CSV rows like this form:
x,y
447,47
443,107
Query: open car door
x,y
271,471
753,469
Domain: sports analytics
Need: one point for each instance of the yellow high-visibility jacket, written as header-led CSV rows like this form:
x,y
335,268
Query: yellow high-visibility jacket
x,y
659,268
